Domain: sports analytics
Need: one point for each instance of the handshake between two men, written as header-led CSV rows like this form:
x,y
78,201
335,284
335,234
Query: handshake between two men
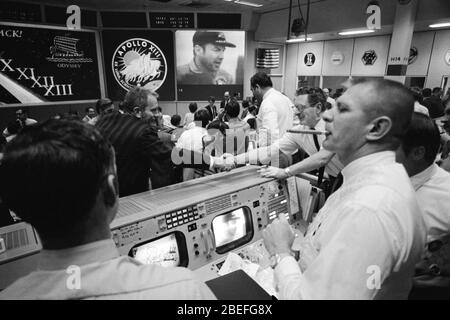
x,y
228,162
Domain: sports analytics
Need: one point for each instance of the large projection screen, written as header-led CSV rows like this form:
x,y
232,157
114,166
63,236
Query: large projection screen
x,y
40,64
139,57
210,66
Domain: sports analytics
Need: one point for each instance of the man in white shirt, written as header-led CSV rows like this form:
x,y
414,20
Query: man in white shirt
x,y
432,184
22,116
275,113
311,107
418,107
330,100
71,194
366,239
192,139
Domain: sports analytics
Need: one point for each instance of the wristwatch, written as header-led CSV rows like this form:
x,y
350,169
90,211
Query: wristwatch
x,y
288,172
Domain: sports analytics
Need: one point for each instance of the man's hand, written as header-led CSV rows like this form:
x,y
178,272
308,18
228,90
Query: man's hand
x,y
278,236
225,162
272,172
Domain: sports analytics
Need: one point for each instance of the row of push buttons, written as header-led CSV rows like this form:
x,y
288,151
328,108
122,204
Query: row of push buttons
x,y
179,217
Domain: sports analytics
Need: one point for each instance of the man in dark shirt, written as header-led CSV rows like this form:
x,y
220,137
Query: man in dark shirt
x,y
211,108
137,146
434,104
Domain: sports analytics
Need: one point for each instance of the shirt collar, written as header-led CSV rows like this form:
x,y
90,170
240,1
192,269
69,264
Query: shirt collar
x,y
197,128
357,166
268,93
97,251
193,67
320,125
422,177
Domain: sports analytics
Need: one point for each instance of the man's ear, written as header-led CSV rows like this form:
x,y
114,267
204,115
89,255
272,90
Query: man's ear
x,y
198,49
379,128
111,191
318,107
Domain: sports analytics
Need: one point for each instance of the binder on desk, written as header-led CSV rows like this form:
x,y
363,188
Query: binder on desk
x,y
237,285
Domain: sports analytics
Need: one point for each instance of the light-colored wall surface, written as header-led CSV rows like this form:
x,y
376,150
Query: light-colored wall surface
x,y
430,63
438,66
423,41
290,75
311,47
345,48
380,45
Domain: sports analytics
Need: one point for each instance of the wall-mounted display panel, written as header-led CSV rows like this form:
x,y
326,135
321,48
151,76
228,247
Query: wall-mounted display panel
x,y
310,57
370,56
218,20
47,64
139,57
116,19
337,57
178,20
21,12
209,63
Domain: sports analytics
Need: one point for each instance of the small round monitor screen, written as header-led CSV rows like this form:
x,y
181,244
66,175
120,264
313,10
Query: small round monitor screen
x,y
229,227
163,251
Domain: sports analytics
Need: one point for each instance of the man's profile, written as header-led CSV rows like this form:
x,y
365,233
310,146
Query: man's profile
x,y
205,67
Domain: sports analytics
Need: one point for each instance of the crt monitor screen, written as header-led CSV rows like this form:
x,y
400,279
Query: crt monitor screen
x,y
232,229
162,251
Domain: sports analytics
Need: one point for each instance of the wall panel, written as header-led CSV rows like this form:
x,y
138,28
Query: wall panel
x,y
337,57
380,45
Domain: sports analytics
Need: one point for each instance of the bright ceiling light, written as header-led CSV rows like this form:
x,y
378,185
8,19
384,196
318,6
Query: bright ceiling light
x,y
298,40
347,33
246,3
440,25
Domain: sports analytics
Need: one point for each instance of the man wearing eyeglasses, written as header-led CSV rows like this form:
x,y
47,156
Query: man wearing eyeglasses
x,y
310,107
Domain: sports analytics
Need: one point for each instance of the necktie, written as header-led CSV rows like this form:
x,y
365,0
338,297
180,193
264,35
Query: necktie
x,y
322,169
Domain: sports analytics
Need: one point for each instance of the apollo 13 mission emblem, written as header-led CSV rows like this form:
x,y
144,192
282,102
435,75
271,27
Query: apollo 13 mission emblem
x,y
140,62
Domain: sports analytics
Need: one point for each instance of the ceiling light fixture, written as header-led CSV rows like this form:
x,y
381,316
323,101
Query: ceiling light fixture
x,y
440,25
347,33
298,40
250,4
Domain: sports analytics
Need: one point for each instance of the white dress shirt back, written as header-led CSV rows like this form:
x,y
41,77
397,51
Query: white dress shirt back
x,y
275,117
104,275
432,187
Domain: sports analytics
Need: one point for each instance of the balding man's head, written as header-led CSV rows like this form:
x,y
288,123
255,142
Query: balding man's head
x,y
370,116
386,98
